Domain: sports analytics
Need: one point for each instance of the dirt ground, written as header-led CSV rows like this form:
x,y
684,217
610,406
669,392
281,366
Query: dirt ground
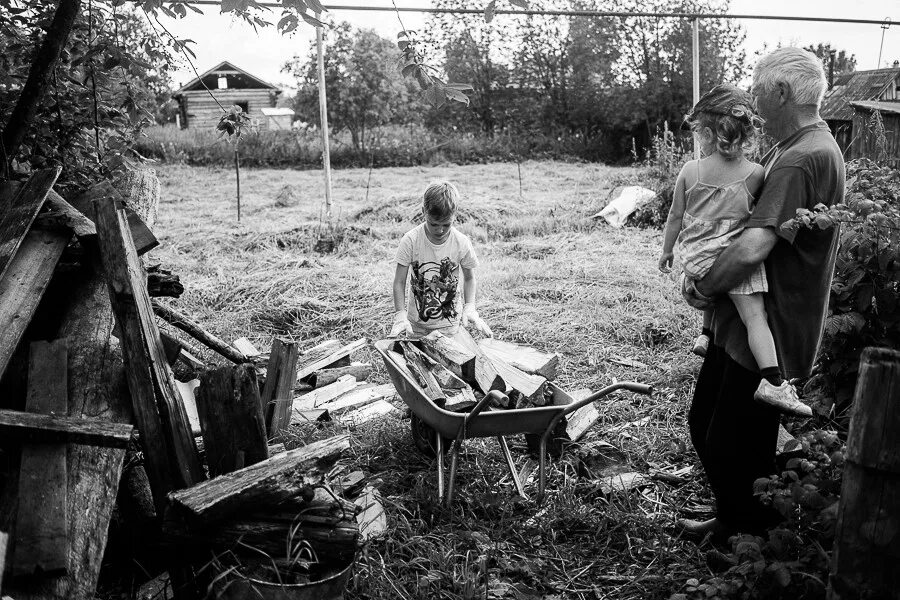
x,y
551,277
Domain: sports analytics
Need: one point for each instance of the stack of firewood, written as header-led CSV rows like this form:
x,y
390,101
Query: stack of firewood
x,y
86,377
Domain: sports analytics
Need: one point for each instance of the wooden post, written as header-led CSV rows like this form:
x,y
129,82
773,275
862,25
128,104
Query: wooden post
x,y
169,451
695,58
231,418
42,524
323,115
867,539
277,396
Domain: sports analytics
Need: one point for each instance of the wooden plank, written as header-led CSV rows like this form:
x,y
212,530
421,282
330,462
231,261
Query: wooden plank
x,y
580,422
4,539
187,390
448,352
245,347
33,427
460,400
169,452
371,518
192,328
486,377
143,238
18,211
364,394
278,478
231,418
446,379
321,359
531,387
310,416
42,521
24,283
323,377
80,225
524,358
416,362
369,412
95,391
866,541
319,396
277,394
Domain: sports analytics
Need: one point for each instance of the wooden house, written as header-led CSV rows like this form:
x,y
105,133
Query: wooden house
x,y
865,143
877,85
225,84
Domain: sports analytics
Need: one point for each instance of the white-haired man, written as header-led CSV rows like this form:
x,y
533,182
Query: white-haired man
x,y
734,436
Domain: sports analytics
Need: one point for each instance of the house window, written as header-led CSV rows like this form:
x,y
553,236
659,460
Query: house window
x,y
223,82
245,106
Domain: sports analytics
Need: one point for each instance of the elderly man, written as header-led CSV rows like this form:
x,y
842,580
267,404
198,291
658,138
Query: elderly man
x,y
734,435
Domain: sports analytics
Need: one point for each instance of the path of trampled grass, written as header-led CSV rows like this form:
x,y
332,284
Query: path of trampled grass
x,y
551,277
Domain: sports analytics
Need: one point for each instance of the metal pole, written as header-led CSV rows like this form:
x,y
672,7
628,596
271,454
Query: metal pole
x,y
884,28
323,116
696,64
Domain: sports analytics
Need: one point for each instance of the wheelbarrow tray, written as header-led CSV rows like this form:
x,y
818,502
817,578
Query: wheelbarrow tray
x,y
489,423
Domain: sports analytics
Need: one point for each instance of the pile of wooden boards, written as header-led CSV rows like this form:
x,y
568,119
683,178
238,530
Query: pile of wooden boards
x,y
86,377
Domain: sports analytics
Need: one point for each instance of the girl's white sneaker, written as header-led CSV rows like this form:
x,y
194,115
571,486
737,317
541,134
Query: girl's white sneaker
x,y
783,397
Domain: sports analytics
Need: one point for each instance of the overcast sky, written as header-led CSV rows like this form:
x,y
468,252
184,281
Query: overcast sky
x,y
263,52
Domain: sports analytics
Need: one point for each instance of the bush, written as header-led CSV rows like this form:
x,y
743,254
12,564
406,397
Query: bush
x,y
387,146
864,308
667,155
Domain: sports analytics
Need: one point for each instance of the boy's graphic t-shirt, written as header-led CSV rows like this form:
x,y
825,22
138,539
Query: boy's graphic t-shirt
x,y
434,277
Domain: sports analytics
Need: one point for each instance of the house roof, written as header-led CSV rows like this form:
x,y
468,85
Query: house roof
x,y
859,86
237,79
888,107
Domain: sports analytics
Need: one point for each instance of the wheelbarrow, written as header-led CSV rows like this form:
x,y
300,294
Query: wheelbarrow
x,y
454,427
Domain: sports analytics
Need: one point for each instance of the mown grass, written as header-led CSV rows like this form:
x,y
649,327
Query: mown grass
x,y
551,277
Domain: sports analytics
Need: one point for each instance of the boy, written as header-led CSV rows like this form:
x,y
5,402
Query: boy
x,y
436,252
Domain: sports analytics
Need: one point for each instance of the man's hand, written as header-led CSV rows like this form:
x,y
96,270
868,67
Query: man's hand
x,y
470,318
665,261
692,296
401,325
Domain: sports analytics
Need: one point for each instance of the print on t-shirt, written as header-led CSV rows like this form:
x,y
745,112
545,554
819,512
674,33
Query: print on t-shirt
x,y
434,288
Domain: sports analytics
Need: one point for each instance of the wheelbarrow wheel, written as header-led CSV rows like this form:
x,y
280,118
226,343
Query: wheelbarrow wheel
x,y
425,437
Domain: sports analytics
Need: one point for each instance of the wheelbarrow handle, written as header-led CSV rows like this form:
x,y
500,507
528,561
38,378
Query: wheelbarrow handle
x,y
638,388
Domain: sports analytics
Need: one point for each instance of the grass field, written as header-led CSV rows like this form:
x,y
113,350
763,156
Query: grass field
x,y
551,277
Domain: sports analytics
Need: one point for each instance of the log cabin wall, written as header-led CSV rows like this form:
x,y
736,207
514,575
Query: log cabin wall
x,y
865,142
201,111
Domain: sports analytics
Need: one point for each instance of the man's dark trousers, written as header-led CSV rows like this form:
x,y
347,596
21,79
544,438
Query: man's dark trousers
x,y
735,437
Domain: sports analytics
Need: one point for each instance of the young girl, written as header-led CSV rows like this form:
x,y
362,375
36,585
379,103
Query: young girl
x,y
712,200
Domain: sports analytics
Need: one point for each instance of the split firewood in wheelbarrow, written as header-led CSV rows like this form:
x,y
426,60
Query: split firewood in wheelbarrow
x,y
440,385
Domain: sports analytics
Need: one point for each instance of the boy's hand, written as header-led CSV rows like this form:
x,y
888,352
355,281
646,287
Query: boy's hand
x,y
470,317
401,325
665,261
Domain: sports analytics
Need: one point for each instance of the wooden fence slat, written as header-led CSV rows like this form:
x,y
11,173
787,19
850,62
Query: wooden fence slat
x,y
56,428
867,538
231,419
171,457
277,395
18,212
42,520
24,283
142,238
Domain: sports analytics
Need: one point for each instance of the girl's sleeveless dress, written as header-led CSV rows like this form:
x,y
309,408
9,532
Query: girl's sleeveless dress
x,y
714,216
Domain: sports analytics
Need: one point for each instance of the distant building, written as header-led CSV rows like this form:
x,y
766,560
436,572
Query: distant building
x,y
278,118
225,85
878,85
865,142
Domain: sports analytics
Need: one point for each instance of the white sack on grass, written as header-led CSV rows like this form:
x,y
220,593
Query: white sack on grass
x,y
629,200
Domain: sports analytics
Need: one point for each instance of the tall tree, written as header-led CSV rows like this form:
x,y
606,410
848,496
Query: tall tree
x,y
362,82
832,58
101,91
